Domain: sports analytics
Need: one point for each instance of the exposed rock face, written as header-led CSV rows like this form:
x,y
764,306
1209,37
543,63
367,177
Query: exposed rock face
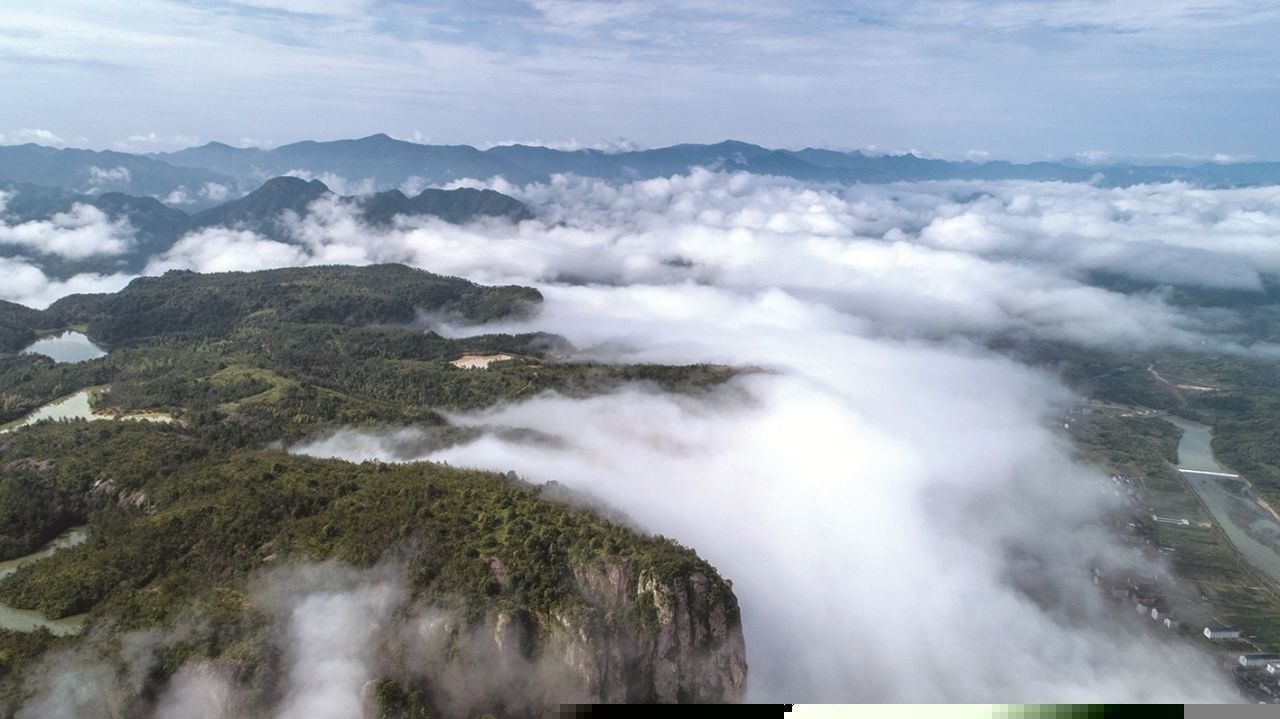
x,y
650,640
636,638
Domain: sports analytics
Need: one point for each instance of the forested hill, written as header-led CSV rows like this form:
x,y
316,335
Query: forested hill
x,y
185,517
18,325
202,306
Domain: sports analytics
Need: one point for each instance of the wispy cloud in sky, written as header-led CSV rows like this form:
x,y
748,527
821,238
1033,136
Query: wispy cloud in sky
x,y
1014,79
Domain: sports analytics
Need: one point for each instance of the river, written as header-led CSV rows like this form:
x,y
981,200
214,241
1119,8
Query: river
x,y
1250,528
25,620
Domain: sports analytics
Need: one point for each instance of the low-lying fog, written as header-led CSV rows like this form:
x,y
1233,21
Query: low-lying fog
x,y
898,520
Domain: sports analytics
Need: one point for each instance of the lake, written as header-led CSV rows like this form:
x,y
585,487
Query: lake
x,y
66,347
76,406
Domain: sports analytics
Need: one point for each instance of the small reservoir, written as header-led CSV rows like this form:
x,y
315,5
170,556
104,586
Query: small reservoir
x,y
77,406
66,347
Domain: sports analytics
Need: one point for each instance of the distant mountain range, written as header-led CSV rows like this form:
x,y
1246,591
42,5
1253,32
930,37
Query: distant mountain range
x,y
389,163
94,172
201,177
157,226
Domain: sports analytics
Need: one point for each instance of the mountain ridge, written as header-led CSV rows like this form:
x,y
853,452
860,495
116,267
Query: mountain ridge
x,y
217,184
157,226
388,163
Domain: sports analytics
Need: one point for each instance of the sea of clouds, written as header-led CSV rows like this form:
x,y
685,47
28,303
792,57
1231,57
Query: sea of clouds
x,y
901,516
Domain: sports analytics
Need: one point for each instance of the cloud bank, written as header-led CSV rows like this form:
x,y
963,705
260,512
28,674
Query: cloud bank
x,y
83,231
914,259
27,284
898,519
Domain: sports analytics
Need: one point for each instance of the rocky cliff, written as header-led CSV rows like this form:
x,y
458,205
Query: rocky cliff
x,y
638,635
671,639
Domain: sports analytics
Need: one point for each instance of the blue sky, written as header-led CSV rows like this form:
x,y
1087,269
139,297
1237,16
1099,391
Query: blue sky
x,y
955,78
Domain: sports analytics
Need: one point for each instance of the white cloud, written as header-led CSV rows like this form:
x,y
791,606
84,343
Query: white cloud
x,y
208,192
918,259
313,7
155,142
892,74
331,634
27,284
908,257
1094,157
1091,15
611,145
413,185
83,231
214,191
38,136
333,631
203,690
416,137
103,178
868,470
217,249
179,196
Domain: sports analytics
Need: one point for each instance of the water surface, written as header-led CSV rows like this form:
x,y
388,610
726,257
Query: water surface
x,y
26,620
66,347
76,406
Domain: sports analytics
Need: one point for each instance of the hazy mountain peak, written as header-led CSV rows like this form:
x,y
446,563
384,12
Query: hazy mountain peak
x,y
289,183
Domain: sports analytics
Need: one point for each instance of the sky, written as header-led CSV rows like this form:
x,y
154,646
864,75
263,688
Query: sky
x,y
1179,80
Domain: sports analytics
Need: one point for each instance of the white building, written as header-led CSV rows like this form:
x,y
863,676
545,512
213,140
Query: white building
x,y
1259,660
1222,632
